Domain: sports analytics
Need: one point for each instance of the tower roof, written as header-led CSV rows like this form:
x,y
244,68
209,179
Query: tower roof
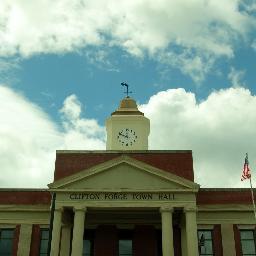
x,y
127,106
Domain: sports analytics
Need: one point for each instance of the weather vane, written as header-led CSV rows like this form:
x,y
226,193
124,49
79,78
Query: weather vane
x,y
127,88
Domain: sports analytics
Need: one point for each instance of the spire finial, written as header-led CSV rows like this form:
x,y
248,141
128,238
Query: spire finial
x,y
127,89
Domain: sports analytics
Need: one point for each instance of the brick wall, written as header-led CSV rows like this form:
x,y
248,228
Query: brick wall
x,y
106,241
144,241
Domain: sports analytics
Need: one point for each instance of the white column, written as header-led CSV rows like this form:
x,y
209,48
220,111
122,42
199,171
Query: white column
x,y
228,241
183,236
24,239
78,232
65,240
167,231
191,232
55,244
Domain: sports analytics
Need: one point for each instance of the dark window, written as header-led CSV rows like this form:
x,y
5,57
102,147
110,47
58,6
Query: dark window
x,y
6,241
205,242
248,242
125,238
44,237
125,247
87,248
88,242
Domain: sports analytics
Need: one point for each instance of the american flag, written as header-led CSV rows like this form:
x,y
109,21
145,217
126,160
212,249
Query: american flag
x,y
246,171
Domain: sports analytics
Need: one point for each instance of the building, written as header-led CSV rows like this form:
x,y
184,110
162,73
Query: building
x,y
127,200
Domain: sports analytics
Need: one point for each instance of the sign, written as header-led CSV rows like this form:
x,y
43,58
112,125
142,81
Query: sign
x,y
122,196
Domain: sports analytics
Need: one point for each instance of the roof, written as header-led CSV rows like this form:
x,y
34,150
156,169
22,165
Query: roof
x,y
223,196
25,196
176,162
127,106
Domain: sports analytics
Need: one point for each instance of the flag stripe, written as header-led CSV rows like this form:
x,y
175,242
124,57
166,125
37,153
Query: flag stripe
x,y
246,171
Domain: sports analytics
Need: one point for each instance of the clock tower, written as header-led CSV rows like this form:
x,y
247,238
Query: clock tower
x,y
127,128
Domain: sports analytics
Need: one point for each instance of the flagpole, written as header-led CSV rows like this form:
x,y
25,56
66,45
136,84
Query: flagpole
x,y
51,223
253,202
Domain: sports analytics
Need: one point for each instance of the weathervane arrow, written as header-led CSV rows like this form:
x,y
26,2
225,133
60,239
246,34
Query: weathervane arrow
x,y
127,88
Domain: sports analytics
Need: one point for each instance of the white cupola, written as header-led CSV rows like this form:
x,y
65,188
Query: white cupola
x,y
127,128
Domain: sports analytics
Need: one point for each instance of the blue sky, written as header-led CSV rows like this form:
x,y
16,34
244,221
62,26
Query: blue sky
x,y
189,64
47,79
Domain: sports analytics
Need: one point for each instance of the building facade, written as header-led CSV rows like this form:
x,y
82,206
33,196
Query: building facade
x,y
126,201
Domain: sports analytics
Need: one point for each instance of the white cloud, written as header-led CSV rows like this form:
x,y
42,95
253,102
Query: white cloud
x,y
80,133
207,30
7,68
253,45
196,66
29,139
219,130
236,77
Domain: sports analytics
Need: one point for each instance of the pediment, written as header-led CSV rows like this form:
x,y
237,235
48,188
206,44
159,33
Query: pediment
x,y
124,173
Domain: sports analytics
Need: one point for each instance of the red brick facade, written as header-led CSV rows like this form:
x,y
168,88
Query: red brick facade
x,y
144,241
105,241
176,162
16,240
217,241
25,197
224,196
35,241
237,240
146,238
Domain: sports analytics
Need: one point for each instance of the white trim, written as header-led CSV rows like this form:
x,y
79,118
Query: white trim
x,y
6,226
245,227
83,174
205,227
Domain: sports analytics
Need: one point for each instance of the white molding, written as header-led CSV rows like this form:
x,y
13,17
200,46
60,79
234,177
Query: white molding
x,y
187,184
244,227
205,227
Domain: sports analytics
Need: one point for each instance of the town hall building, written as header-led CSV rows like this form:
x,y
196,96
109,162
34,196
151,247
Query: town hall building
x,y
126,200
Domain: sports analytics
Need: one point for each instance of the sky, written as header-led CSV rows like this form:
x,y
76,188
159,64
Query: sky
x,y
190,65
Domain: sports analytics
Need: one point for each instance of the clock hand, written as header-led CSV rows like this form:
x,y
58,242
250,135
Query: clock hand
x,y
123,135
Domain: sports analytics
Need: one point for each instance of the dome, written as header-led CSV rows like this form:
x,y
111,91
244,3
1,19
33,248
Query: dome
x,y
127,106
128,103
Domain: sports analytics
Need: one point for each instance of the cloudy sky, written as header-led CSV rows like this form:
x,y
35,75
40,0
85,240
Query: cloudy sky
x,y
191,66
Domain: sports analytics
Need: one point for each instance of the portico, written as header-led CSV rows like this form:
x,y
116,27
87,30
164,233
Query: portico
x,y
162,222
125,194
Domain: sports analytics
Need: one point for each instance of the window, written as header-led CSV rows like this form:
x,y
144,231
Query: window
x,y
88,242
205,243
87,248
248,242
125,247
6,241
125,238
44,237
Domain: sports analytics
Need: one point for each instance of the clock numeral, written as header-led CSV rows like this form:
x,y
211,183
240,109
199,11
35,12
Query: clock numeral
x,y
127,137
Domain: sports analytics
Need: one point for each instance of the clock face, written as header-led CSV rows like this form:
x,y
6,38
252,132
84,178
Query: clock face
x,y
127,137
